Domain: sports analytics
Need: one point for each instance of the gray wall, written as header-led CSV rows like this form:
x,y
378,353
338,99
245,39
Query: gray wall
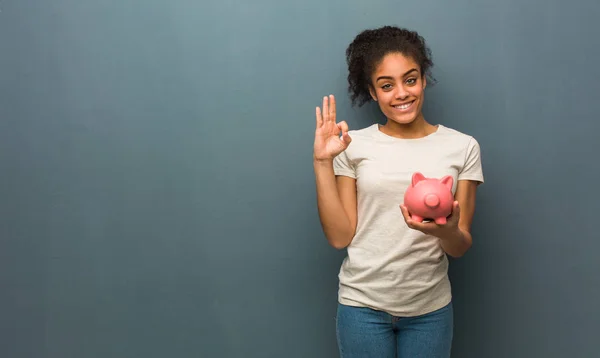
x,y
156,185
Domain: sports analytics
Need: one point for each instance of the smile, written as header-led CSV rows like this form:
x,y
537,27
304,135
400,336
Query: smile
x,y
405,106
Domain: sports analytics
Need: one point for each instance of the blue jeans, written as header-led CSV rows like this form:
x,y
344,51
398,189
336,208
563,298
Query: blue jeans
x,y
367,333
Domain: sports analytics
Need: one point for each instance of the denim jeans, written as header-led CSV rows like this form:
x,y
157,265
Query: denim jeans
x,y
367,333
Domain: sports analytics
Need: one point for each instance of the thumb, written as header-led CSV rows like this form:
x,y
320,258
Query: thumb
x,y
455,209
346,138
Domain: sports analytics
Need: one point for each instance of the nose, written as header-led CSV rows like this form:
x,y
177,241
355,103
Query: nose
x,y
401,92
432,201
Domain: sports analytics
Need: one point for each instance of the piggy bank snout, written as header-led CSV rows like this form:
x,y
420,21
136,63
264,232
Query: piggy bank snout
x,y
432,201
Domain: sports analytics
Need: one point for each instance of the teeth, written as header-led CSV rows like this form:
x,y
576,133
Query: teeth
x,y
404,106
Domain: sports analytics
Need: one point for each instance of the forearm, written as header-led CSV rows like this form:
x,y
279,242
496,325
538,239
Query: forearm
x,y
457,243
335,222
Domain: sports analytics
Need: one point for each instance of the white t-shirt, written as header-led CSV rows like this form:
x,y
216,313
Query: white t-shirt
x,y
390,267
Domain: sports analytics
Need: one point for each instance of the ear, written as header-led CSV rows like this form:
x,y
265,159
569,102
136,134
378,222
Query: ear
x,y
424,81
417,177
447,180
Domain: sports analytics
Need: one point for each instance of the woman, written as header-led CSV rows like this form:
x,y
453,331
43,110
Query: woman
x,y
394,293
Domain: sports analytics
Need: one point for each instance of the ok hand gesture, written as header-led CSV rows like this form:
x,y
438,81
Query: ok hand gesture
x,y
328,143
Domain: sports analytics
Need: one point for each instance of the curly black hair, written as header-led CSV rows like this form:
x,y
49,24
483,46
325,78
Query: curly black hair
x,y
370,46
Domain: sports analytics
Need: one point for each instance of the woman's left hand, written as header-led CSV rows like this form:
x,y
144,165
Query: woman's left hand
x,y
442,231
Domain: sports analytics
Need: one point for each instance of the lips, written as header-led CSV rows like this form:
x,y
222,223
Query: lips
x,y
404,106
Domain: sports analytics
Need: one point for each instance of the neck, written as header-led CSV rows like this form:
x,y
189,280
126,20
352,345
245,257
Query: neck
x,y
416,129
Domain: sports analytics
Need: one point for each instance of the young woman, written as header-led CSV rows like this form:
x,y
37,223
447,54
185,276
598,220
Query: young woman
x,y
394,293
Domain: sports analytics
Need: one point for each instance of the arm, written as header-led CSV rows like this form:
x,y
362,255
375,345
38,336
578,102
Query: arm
x,y
336,202
457,242
455,235
336,196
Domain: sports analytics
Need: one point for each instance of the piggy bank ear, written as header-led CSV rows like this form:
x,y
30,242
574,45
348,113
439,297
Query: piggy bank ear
x,y
417,177
447,181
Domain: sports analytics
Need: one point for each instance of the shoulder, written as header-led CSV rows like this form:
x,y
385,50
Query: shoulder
x,y
362,139
365,133
359,147
449,133
467,151
456,139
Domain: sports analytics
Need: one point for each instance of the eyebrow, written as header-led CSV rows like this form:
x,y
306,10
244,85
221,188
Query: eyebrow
x,y
391,78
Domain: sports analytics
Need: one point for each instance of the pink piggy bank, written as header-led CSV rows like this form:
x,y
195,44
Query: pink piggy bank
x,y
429,198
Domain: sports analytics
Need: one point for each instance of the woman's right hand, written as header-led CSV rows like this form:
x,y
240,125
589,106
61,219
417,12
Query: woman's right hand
x,y
328,143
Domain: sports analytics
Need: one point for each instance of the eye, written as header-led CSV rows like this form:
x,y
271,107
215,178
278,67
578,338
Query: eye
x,y
386,86
411,81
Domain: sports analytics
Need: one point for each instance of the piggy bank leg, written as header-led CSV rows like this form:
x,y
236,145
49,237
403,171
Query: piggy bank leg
x,y
441,221
417,218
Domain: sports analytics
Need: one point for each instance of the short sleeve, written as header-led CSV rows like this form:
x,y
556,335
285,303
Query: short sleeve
x,y
343,166
472,168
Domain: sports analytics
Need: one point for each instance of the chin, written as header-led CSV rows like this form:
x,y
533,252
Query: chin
x,y
402,119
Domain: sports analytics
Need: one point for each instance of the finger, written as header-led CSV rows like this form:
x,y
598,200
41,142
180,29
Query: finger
x,y
325,109
406,215
319,118
455,215
424,227
332,108
343,126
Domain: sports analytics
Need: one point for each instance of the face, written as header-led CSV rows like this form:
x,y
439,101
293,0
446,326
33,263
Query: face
x,y
398,87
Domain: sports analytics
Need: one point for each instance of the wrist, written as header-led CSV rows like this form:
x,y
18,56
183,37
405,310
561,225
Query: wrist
x,y
456,243
454,235
322,161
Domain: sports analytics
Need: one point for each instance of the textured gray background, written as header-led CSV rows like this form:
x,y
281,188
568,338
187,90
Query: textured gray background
x,y
156,185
